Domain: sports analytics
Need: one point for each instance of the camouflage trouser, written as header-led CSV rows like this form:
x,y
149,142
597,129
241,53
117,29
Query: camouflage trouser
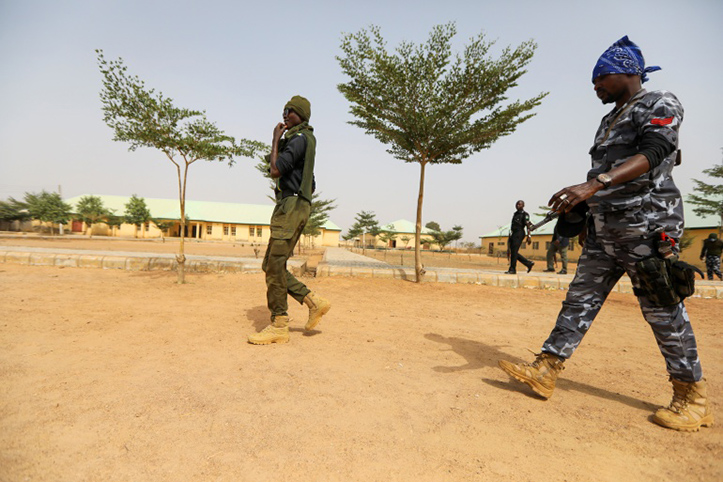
x,y
554,248
287,222
712,265
601,265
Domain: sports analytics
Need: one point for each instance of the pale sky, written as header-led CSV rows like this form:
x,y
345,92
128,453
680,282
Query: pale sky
x,y
241,61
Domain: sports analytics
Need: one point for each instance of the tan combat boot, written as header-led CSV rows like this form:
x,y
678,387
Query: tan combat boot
x,y
540,375
689,410
276,332
318,307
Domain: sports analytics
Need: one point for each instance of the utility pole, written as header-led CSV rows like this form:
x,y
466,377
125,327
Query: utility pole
x,y
60,225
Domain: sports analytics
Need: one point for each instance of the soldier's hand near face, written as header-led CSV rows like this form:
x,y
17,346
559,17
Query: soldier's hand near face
x,y
279,131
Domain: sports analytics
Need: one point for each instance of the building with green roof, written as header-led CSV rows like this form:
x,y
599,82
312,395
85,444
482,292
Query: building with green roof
x,y
697,229
207,220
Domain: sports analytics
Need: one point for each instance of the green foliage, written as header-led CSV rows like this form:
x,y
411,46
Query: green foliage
x,y
136,211
386,236
319,215
364,222
686,241
91,210
428,105
13,210
709,197
263,167
144,118
47,207
113,220
444,238
162,224
434,226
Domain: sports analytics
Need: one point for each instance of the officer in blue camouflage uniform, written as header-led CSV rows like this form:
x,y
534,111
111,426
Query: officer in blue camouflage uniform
x,y
291,163
632,200
712,248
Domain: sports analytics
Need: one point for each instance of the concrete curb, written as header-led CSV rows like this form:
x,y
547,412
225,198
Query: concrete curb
x,y
703,289
139,262
326,268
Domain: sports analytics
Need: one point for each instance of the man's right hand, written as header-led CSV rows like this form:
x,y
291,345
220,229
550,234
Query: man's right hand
x,y
279,131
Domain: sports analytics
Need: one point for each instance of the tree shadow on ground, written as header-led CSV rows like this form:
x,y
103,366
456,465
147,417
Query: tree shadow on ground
x,y
480,355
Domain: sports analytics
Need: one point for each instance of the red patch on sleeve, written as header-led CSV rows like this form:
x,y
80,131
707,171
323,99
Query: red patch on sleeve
x,y
662,122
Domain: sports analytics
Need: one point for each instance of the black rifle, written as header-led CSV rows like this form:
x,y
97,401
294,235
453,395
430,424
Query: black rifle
x,y
548,217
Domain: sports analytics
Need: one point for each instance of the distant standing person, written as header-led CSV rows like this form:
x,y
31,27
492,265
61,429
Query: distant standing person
x,y
519,230
712,248
291,163
559,244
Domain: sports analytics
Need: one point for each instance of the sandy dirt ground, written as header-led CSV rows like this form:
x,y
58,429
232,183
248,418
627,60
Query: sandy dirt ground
x,y
112,375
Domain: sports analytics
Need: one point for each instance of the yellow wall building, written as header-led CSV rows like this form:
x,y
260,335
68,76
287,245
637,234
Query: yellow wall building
x,y
212,221
697,229
403,232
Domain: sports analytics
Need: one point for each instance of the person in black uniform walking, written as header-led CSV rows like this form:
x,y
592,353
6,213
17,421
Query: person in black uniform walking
x,y
519,230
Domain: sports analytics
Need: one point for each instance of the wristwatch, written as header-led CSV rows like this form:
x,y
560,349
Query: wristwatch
x,y
604,179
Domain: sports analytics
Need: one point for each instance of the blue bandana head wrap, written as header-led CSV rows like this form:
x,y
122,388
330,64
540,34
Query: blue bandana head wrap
x,y
622,57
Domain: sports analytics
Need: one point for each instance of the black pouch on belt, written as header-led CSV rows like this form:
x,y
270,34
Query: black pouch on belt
x,y
656,282
683,275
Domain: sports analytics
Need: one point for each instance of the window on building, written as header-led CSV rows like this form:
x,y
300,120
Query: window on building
x,y
209,229
148,226
258,232
572,245
225,230
547,244
251,232
233,230
535,245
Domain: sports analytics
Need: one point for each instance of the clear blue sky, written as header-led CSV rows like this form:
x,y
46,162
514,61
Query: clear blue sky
x,y
241,61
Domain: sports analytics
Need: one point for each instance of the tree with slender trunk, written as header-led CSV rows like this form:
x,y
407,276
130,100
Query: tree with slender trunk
x,y
709,197
91,211
48,207
365,223
144,118
13,210
136,212
443,238
430,106
318,216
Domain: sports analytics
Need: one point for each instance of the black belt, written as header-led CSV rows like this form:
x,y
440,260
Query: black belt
x,y
286,193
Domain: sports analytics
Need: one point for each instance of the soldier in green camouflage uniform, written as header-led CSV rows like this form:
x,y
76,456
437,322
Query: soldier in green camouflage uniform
x,y
633,199
291,163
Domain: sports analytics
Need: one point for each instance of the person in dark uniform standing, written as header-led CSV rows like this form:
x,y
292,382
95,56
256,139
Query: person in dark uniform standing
x,y
291,163
712,248
559,244
519,230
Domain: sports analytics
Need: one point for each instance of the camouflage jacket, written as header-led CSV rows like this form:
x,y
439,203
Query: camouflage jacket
x,y
650,203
